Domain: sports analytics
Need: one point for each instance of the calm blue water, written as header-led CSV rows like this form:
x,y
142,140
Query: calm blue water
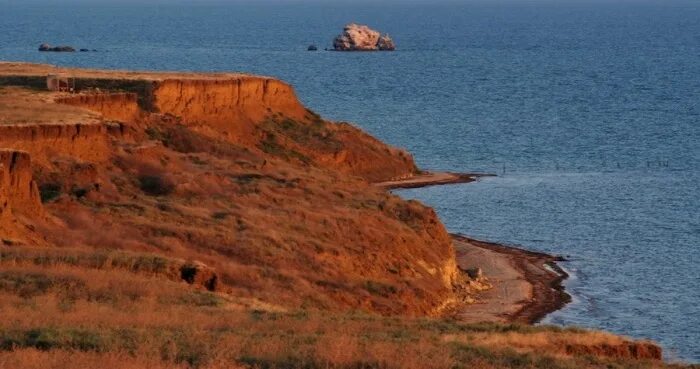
x,y
592,110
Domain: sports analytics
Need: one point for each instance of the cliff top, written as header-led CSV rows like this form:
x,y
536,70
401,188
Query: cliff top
x,y
24,107
31,69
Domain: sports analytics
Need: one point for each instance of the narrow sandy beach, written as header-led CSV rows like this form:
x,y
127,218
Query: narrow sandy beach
x,y
527,285
431,179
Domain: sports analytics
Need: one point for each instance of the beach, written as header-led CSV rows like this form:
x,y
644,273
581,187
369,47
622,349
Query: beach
x,y
426,179
526,285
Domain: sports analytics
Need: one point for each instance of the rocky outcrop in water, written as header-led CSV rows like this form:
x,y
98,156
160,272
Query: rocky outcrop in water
x,y
65,49
357,37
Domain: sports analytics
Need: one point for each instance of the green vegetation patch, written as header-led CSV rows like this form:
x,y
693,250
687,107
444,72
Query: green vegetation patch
x,y
155,185
270,146
379,288
52,338
49,191
196,298
30,284
99,259
314,134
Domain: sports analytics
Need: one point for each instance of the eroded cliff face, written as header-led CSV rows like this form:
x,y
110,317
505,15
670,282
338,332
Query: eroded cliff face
x,y
19,194
367,157
47,142
231,107
18,186
266,114
259,113
114,106
306,228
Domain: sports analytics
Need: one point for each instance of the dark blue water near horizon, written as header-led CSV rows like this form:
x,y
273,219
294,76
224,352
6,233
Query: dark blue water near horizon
x,y
589,113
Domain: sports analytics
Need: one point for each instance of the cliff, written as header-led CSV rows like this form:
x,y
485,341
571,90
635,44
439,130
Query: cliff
x,y
19,194
18,187
258,112
47,142
195,142
231,107
114,106
266,114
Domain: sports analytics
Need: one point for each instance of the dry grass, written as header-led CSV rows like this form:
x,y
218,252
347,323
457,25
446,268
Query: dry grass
x,y
30,69
285,233
21,106
71,308
61,359
300,237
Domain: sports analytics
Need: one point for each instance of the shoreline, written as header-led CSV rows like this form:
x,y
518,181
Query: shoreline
x,y
427,179
527,285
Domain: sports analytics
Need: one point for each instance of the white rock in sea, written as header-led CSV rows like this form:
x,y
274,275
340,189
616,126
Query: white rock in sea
x,y
356,37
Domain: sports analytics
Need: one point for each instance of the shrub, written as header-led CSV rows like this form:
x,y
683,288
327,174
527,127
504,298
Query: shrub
x,y
155,185
220,215
28,285
379,288
79,192
49,191
49,338
192,298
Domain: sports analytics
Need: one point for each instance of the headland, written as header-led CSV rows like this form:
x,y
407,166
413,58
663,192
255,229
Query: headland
x,y
190,220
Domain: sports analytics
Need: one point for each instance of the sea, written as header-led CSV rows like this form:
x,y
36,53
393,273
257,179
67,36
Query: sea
x,y
588,112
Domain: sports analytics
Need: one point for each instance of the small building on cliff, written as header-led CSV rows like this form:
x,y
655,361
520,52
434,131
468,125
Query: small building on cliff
x,y
60,83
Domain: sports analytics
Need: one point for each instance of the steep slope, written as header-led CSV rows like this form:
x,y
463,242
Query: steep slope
x,y
19,195
118,106
232,107
236,173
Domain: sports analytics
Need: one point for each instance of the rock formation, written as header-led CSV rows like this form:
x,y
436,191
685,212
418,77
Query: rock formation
x,y
386,43
46,141
357,37
47,47
19,195
17,187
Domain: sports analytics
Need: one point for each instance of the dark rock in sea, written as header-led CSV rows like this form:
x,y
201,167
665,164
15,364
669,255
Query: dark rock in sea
x,y
84,50
385,43
357,37
312,48
47,47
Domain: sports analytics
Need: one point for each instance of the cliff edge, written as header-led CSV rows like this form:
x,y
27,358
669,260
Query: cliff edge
x,y
234,171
